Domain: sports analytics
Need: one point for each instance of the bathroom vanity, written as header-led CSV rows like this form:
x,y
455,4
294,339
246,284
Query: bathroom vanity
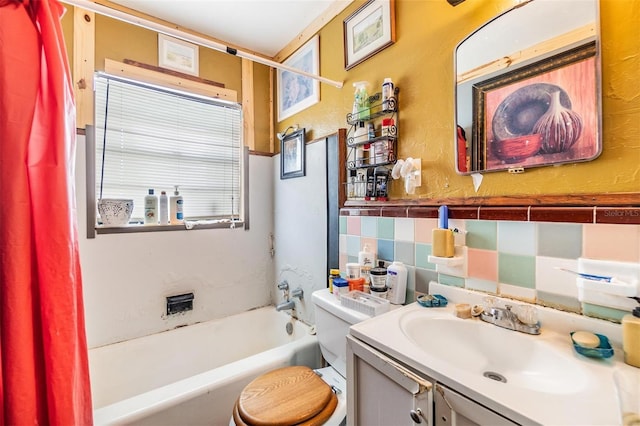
x,y
418,365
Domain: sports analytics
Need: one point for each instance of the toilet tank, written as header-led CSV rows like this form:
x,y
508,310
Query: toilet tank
x,y
332,326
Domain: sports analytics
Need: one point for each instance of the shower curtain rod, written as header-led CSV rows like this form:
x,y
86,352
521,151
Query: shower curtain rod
x,y
142,22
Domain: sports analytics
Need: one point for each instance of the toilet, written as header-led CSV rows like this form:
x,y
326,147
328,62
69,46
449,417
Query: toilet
x,y
297,394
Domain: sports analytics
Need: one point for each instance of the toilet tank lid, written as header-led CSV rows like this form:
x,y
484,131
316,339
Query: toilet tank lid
x,y
328,301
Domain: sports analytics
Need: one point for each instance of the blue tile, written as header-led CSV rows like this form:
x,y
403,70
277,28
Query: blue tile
x,y
369,227
517,238
343,224
353,245
385,250
451,280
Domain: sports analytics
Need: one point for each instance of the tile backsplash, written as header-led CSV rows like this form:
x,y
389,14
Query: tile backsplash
x,y
512,259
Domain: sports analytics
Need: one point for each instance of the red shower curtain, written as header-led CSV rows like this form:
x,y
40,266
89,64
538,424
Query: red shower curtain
x,y
44,375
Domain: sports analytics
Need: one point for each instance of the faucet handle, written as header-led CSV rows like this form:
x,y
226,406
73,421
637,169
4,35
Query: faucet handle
x,y
284,285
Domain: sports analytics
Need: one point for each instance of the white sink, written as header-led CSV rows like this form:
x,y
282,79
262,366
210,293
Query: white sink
x,y
510,357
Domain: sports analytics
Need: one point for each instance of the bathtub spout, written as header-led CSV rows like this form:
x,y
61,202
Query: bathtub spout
x,y
285,305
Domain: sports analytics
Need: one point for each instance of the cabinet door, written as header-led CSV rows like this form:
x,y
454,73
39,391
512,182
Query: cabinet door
x,y
380,392
454,409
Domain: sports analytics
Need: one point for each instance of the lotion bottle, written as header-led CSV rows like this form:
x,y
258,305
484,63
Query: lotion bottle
x,y
150,208
631,337
176,215
397,282
164,208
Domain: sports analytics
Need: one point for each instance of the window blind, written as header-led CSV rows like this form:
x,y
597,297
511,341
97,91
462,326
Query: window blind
x,y
154,138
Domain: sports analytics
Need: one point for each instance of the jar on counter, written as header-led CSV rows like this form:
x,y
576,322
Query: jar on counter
x,y
378,276
340,287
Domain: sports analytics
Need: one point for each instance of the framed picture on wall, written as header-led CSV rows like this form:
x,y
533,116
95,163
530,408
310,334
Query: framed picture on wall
x,y
539,114
368,30
292,155
178,55
295,91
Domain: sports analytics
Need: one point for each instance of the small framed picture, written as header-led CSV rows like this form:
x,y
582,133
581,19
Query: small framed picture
x,y
177,55
297,92
292,150
368,30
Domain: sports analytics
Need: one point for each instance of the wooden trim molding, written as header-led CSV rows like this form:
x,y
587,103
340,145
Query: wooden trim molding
x,y
587,215
159,78
84,35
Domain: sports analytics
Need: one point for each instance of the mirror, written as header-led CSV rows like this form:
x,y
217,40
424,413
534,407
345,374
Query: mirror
x,y
528,88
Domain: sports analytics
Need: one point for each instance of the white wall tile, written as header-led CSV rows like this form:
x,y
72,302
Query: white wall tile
x,y
552,280
404,229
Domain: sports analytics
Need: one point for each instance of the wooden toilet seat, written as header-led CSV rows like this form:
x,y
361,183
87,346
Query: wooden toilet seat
x,y
284,397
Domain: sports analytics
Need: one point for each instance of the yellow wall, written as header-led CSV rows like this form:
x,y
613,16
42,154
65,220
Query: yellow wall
x,y
421,65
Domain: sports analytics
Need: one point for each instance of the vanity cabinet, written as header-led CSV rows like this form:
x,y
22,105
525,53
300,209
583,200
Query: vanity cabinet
x,y
454,409
381,392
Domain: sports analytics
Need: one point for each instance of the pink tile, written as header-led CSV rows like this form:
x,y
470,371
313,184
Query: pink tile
x,y
371,242
424,230
612,242
343,262
483,264
353,225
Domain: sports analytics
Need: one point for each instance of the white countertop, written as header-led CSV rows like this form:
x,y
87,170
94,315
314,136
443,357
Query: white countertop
x,y
592,400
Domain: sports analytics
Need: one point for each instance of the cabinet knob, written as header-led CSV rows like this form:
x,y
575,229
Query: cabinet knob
x,y
416,415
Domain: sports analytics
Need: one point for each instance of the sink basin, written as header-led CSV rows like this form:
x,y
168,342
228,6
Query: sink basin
x,y
506,356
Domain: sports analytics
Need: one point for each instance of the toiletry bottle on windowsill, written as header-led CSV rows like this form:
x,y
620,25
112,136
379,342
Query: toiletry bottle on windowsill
x,y
176,216
150,208
164,208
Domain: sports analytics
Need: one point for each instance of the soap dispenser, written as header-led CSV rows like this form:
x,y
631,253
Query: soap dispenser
x,y
631,336
176,215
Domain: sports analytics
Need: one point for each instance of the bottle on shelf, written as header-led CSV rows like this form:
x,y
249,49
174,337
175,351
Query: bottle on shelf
x,y
362,150
176,205
360,100
150,208
387,92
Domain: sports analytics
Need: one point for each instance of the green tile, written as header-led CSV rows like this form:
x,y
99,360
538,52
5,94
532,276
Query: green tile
x,y
603,312
422,253
482,234
517,270
451,280
562,240
558,301
343,225
385,228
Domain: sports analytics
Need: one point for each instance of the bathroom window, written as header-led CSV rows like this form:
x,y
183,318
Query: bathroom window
x,y
149,137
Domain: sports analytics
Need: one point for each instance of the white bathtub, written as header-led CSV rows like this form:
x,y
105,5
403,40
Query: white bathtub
x,y
193,375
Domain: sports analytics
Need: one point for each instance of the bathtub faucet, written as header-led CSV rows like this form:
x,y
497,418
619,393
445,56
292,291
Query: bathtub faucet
x,y
285,306
288,303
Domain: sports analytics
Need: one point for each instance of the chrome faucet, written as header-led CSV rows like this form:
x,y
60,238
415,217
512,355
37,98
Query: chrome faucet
x,y
506,318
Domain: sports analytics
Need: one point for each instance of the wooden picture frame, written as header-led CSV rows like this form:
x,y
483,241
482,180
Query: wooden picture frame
x,y
295,91
368,30
507,110
178,55
292,155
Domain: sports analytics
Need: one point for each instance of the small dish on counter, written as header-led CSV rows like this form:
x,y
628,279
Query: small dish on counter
x,y
432,301
603,350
